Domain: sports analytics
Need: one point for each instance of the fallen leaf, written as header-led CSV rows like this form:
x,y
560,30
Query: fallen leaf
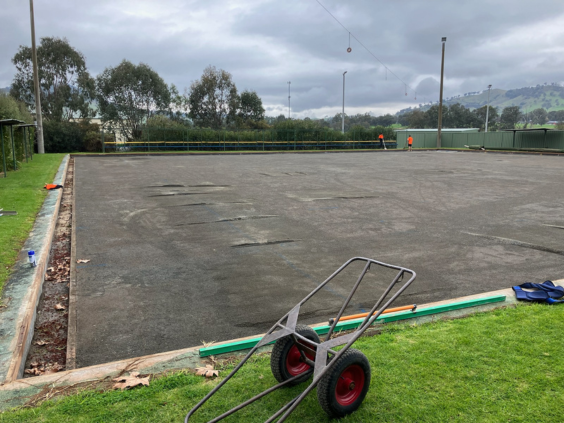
x,y
60,307
82,261
41,342
50,269
207,371
34,364
125,382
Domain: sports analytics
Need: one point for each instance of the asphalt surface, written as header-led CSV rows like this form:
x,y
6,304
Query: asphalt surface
x,y
192,249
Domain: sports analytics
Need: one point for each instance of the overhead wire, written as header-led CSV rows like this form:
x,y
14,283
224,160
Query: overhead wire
x,y
366,48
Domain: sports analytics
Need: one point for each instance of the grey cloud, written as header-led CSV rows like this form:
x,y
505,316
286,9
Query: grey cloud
x,y
266,43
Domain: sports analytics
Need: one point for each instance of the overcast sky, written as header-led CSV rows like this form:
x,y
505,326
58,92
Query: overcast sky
x,y
266,43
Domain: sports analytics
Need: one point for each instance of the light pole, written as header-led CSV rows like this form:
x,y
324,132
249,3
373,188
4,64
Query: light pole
x,y
441,96
289,115
488,107
38,117
343,115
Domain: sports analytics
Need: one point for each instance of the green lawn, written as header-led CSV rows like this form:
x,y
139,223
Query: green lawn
x,y
500,366
23,192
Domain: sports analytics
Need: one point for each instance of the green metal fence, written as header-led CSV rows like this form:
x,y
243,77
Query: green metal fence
x,y
16,143
155,139
503,140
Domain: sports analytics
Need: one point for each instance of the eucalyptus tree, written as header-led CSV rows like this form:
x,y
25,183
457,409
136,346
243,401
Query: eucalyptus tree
x,y
213,100
66,88
128,95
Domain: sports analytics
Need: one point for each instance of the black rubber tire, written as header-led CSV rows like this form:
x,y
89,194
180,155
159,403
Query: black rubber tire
x,y
327,393
280,353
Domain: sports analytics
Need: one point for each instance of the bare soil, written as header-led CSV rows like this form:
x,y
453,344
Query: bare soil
x,y
48,351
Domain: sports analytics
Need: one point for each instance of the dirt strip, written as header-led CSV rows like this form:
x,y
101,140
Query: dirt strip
x,y
47,353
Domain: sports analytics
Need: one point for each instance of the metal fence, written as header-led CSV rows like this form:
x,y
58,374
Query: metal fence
x,y
16,142
553,140
156,139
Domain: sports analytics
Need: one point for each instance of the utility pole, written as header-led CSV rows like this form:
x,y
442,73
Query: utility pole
x,y
488,107
441,96
38,117
289,115
343,115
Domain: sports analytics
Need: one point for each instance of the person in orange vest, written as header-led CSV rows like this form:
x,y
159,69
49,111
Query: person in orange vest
x,y
382,144
409,143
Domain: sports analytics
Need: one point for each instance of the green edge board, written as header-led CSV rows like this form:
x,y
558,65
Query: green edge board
x,y
352,324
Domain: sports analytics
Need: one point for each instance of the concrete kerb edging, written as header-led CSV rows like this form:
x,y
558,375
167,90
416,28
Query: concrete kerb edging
x,y
24,287
19,391
72,321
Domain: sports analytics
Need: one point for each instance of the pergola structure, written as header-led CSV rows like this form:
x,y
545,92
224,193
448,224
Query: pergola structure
x,y
27,148
10,123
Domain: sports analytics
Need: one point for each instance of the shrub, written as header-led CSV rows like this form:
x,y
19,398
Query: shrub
x,y
70,137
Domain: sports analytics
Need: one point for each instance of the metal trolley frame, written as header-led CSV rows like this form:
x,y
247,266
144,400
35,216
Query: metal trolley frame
x,y
323,353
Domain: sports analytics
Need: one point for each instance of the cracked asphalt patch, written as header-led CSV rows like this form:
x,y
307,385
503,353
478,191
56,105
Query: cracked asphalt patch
x,y
158,282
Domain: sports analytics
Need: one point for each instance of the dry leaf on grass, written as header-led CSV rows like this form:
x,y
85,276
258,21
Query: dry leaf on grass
x,y
60,307
41,343
126,382
207,371
82,261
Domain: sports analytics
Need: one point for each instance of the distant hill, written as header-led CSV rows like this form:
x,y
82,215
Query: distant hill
x,y
549,97
5,90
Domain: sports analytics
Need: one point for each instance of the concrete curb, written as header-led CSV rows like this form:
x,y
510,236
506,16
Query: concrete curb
x,y
72,322
19,391
24,287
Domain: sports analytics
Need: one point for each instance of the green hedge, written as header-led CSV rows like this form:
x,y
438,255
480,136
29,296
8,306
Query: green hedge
x,y
69,137
356,133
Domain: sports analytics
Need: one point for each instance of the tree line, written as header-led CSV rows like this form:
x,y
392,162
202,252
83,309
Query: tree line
x,y
458,116
128,96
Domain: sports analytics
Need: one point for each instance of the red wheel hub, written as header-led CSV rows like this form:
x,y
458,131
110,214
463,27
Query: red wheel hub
x,y
294,363
350,385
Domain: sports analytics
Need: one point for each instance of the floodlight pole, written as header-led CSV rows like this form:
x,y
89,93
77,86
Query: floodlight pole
x,y
488,107
38,117
343,115
289,115
441,96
